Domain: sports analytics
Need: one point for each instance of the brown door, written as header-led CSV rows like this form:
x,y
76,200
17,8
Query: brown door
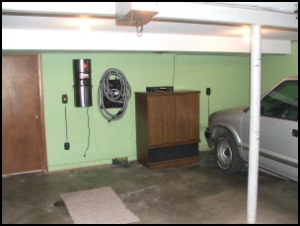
x,y
23,136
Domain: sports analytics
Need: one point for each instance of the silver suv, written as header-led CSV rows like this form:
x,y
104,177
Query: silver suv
x,y
228,133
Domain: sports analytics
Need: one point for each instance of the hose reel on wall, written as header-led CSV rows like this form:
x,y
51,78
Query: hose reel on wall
x,y
113,92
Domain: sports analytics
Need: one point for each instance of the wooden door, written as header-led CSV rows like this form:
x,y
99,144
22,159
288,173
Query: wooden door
x,y
23,136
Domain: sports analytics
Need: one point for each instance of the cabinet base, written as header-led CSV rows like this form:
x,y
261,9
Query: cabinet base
x,y
174,162
170,156
172,152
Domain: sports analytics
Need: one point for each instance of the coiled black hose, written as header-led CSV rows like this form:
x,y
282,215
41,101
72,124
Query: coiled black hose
x,y
119,95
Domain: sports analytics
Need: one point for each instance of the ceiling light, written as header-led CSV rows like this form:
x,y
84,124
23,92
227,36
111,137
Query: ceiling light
x,y
135,13
85,27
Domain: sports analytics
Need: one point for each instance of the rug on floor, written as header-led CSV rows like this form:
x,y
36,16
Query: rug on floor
x,y
97,206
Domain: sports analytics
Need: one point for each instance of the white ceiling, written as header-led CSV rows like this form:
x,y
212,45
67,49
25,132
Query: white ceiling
x,y
179,21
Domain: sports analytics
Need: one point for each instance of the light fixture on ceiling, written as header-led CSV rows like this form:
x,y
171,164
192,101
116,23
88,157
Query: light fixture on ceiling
x,y
247,34
128,13
135,14
85,27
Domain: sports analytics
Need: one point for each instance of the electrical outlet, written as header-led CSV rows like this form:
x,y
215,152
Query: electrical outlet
x,y
67,146
207,91
64,98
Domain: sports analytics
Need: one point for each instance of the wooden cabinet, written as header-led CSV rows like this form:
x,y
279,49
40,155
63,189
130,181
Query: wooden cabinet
x,y
167,128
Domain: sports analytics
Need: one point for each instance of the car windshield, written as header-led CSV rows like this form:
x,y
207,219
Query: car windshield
x,y
282,102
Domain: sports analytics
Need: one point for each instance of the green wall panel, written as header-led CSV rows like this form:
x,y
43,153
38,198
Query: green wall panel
x,y
228,76
275,67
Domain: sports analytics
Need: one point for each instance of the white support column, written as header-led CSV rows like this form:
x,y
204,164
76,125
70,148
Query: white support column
x,y
254,122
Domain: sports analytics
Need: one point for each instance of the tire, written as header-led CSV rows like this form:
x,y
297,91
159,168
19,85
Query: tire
x,y
226,154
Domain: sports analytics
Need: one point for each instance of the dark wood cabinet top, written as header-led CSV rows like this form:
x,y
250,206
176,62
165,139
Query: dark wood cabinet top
x,y
177,92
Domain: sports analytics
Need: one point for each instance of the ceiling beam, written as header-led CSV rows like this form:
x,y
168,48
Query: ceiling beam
x,y
222,14
175,11
202,13
77,41
103,9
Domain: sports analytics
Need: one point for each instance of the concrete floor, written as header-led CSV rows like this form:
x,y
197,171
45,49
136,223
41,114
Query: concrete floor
x,y
189,194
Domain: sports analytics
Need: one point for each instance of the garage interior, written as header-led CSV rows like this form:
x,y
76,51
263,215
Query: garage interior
x,y
175,46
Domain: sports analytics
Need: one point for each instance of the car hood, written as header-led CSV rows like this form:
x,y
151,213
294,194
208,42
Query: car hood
x,y
230,111
231,115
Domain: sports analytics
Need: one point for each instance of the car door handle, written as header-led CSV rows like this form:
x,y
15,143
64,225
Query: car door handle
x,y
295,133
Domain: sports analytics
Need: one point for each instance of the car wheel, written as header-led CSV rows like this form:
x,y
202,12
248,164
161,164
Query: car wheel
x,y
226,153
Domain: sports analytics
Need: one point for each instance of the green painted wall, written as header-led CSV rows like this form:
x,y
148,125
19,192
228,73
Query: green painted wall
x,y
227,76
275,67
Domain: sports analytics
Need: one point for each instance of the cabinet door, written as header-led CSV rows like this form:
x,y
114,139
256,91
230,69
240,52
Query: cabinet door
x,y
187,117
161,111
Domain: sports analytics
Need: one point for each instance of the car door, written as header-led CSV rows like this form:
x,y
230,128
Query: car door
x,y
278,130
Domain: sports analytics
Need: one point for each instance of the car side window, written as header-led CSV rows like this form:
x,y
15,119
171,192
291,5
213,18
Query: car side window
x,y
282,102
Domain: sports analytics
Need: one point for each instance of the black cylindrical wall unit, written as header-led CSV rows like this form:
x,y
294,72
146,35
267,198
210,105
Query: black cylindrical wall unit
x,y
82,83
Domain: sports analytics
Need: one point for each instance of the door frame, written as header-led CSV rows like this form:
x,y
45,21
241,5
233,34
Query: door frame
x,y
42,112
